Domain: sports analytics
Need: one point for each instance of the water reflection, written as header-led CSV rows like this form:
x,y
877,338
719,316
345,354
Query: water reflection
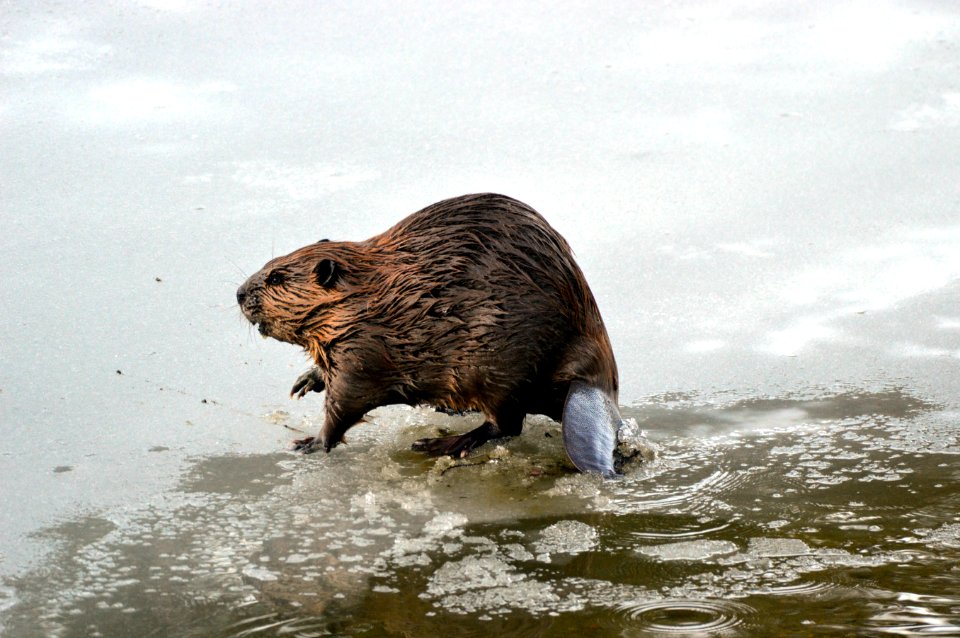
x,y
759,515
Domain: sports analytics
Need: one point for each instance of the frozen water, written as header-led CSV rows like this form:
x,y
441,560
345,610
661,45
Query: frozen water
x,y
566,537
698,550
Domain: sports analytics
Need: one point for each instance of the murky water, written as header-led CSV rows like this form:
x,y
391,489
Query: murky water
x,y
830,513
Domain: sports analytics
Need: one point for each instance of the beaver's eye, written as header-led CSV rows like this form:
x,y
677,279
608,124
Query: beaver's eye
x,y
275,278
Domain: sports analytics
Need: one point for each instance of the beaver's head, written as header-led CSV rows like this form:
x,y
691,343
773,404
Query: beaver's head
x,y
301,298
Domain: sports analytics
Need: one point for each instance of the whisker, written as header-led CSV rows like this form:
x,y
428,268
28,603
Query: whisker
x,y
235,265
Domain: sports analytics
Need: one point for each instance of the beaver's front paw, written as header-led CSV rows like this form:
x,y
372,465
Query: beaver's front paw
x,y
311,380
306,445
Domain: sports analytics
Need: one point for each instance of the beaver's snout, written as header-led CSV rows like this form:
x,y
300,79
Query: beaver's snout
x,y
243,295
248,302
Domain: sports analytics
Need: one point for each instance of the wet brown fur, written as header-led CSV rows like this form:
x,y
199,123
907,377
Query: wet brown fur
x,y
473,303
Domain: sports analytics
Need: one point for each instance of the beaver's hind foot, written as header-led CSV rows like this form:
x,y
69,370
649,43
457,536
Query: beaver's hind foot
x,y
457,446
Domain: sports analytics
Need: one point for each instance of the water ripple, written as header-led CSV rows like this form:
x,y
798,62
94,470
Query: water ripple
x,y
302,627
800,589
681,534
703,495
680,616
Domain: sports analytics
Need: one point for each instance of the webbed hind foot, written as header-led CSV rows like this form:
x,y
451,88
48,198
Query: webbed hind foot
x,y
457,446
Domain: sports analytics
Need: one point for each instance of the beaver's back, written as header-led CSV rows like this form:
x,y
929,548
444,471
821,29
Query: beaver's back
x,y
483,299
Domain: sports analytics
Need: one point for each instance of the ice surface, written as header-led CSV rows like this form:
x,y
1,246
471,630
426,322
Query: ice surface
x,y
698,550
566,537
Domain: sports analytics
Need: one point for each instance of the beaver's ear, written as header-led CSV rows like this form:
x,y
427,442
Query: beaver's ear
x,y
327,272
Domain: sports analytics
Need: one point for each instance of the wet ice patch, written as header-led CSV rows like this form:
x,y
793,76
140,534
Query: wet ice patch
x,y
172,6
321,533
566,537
487,584
145,99
871,278
773,547
633,446
445,524
916,117
948,323
300,182
872,39
947,535
701,346
797,335
443,533
57,49
473,572
258,574
707,126
757,248
697,550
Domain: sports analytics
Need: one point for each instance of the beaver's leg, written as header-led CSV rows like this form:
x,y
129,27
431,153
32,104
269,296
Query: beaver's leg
x,y
339,416
508,423
309,380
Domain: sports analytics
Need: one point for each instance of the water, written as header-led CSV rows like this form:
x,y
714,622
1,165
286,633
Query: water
x,y
840,516
763,197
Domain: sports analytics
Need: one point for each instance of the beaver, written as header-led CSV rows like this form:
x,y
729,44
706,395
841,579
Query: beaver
x,y
472,304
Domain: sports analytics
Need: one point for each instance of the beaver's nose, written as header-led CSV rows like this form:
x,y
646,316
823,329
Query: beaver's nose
x,y
241,295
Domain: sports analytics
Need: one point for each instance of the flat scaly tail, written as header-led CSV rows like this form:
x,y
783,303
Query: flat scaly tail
x,y
590,422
